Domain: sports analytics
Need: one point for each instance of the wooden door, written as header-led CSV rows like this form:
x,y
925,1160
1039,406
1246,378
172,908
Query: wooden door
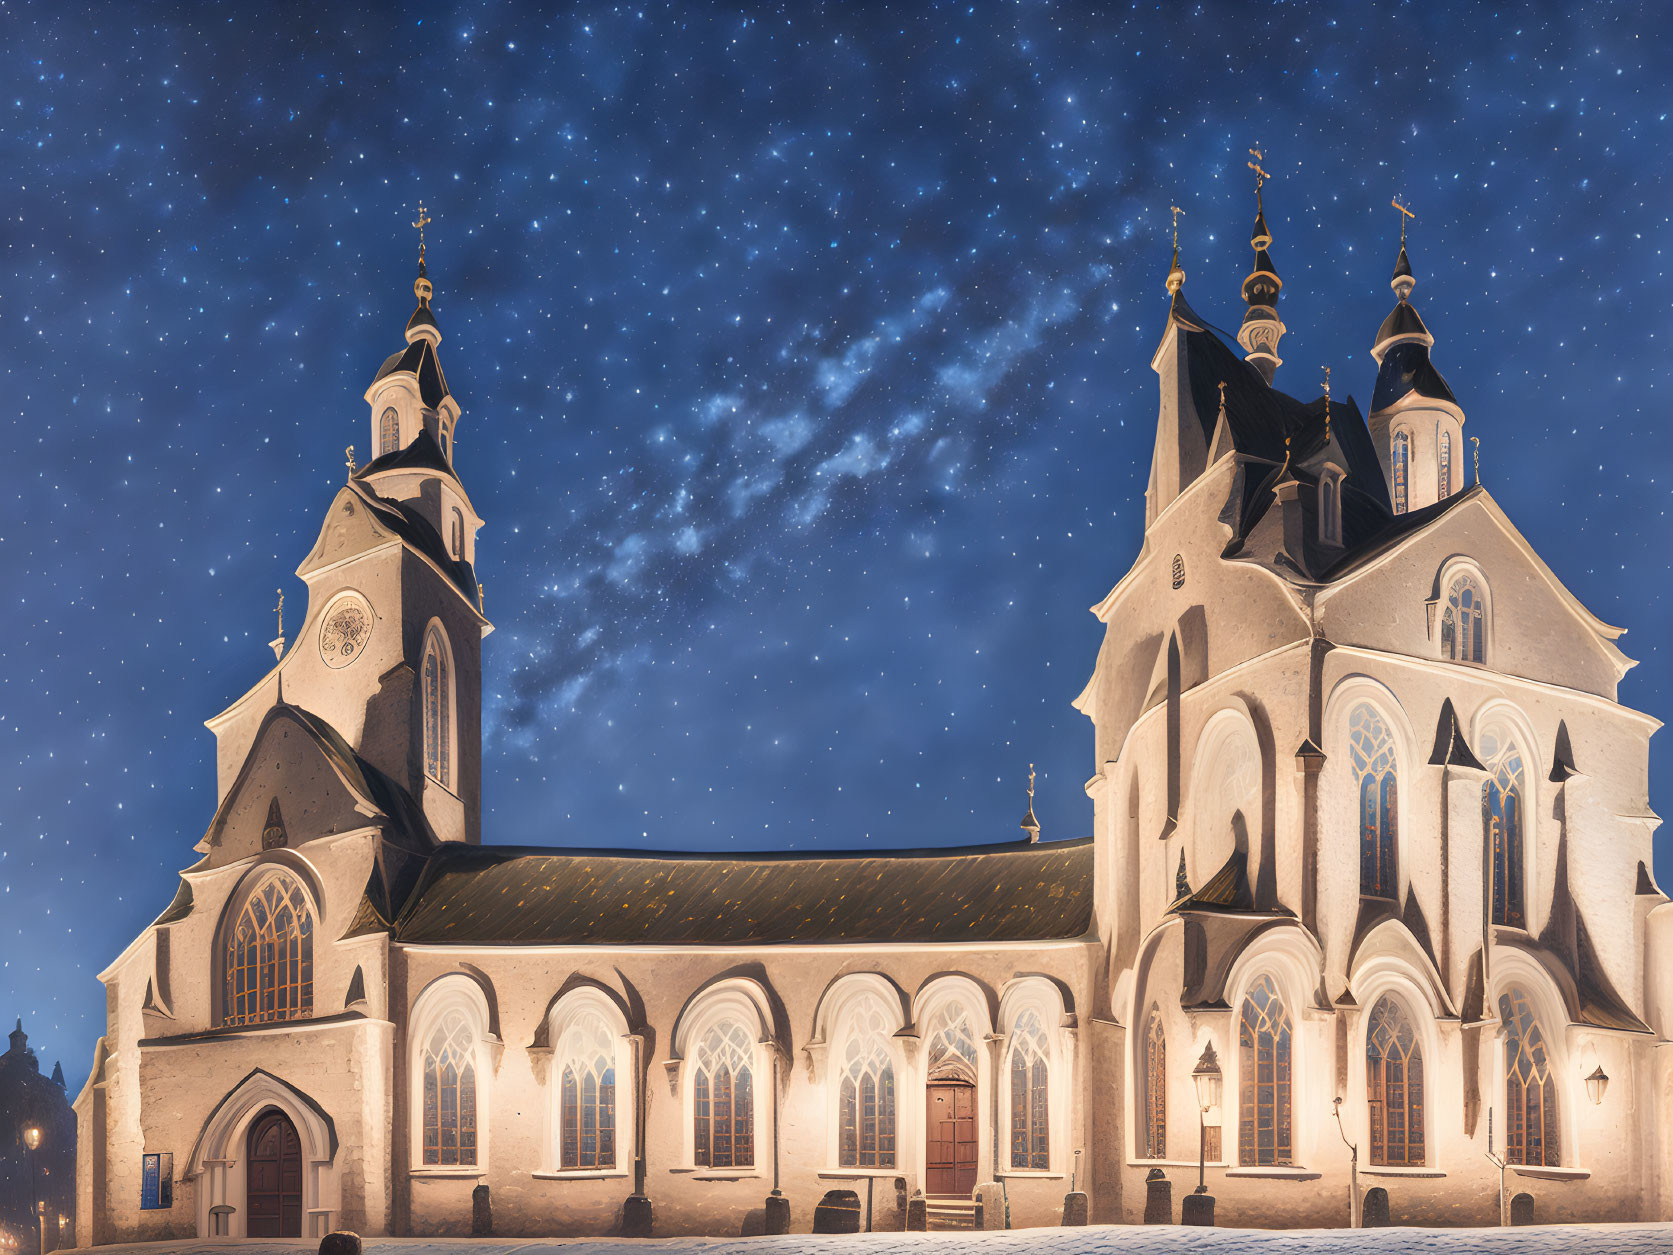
x,y
950,1139
273,1180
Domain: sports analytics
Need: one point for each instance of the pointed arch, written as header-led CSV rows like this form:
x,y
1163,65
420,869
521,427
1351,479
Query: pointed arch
x,y
453,1052
1376,783
267,950
1400,469
1265,1037
722,1065
437,686
1532,1135
1153,1074
1395,1085
389,431
1504,743
591,1082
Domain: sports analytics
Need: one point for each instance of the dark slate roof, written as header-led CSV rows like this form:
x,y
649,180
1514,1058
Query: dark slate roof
x,y
1396,528
412,527
1451,749
1402,264
1402,320
508,896
1406,368
422,317
422,454
1226,890
419,360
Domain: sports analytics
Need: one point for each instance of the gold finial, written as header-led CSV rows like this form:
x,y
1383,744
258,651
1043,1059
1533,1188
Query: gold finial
x,y
421,285
422,222
1475,452
1286,465
1404,215
1327,403
278,642
1176,276
1222,396
348,453
1261,176
1176,211
1030,825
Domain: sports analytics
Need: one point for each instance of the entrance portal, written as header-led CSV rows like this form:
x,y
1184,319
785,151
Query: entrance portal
x,y
273,1185
950,1141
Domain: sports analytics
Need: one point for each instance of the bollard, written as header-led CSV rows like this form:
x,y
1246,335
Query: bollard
x,y
917,1213
482,1213
838,1212
1158,1198
1074,1209
1374,1214
636,1216
778,1214
1197,1209
340,1243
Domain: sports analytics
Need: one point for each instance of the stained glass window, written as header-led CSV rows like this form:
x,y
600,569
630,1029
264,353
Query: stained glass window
x,y
389,432
723,1110
269,956
1030,1087
587,1094
438,713
1445,482
866,1091
1462,622
1502,811
1530,1089
951,1044
1394,1083
1263,1037
1401,458
1372,753
1155,1088
450,1092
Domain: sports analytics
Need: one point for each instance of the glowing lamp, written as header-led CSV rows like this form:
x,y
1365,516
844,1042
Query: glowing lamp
x,y
32,1137
1207,1078
1596,1084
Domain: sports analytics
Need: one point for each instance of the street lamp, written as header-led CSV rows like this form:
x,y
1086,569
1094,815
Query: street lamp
x,y
32,1139
1596,1084
1206,1077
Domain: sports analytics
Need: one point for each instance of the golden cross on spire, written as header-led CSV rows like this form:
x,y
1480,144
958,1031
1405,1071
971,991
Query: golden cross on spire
x,y
422,222
1327,403
1176,211
1261,176
277,644
1475,452
348,453
1029,824
1030,786
1404,215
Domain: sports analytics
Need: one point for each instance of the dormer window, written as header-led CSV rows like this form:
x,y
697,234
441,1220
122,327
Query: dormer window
x,y
389,432
1330,506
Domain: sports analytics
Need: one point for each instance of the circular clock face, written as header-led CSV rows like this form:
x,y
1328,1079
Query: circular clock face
x,y
347,628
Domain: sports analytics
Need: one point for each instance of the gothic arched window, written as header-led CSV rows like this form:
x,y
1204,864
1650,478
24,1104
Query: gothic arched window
x,y
723,1098
1463,622
1530,1088
450,1092
1444,481
1330,507
458,530
438,710
1030,1070
1263,1038
389,432
866,1092
1394,1086
1400,458
1503,809
268,960
586,1055
1372,751
1155,1088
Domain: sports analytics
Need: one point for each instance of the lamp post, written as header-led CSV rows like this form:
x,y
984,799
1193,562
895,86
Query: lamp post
x,y
1596,1084
1198,1207
32,1140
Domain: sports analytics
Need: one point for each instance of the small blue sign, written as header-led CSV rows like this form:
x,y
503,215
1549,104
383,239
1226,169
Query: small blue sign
x,y
156,1182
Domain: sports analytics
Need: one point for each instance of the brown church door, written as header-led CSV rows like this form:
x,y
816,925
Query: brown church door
x,y
273,1182
951,1129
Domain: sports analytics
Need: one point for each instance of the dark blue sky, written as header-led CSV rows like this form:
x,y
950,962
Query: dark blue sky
x,y
804,361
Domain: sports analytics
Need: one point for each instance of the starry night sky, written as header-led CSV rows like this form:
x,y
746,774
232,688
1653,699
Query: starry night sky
x,y
804,362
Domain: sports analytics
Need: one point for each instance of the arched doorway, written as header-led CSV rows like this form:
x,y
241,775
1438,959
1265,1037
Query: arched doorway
x,y
950,1161
273,1180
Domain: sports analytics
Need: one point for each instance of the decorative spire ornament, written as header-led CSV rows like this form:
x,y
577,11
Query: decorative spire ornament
x,y
1262,328
1176,276
1327,404
1403,282
278,642
348,454
1475,453
1030,825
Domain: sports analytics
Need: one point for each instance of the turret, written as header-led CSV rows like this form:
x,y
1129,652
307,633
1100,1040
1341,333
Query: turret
x,y
1415,420
1262,328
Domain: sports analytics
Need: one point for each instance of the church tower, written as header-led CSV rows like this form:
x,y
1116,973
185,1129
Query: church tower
x,y
1416,422
390,648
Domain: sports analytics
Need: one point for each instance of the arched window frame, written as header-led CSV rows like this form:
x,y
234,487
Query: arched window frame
x,y
577,1009
841,1011
1330,504
1043,1000
440,711
445,1001
1291,959
389,430
236,1010
456,534
1445,638
1500,725
1400,469
942,1002
1444,467
1266,1024
1397,1084
1152,1122
744,1003
1387,965
1521,980
1374,760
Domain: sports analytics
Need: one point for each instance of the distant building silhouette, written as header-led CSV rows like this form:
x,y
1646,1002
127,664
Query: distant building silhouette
x,y
29,1099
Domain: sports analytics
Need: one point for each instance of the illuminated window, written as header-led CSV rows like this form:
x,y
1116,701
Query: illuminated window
x,y
1463,622
1394,1085
269,956
1372,751
724,1098
866,1091
1444,483
587,1093
1030,1071
1530,1088
1504,813
389,432
438,711
1155,1088
1401,457
450,1092
1263,1038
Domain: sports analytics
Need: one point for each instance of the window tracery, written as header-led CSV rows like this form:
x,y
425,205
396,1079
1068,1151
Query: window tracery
x,y
1264,1044
1530,1087
1394,1085
866,1091
438,711
1371,749
586,1053
1030,1069
723,1099
1503,809
1154,1089
1463,621
268,961
450,1092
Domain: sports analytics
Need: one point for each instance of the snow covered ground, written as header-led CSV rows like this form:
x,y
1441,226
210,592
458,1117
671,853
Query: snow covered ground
x,y
1628,1239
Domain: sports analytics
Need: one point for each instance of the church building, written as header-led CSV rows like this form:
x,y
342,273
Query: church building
x,y
1369,864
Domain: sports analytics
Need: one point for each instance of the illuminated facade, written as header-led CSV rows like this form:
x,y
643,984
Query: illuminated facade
x,y
1367,819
